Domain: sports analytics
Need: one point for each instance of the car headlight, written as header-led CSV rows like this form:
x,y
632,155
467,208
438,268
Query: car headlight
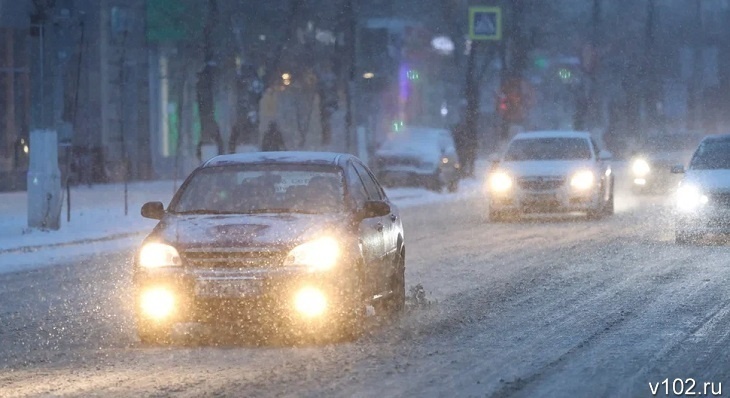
x,y
500,182
319,254
582,180
640,167
155,255
690,198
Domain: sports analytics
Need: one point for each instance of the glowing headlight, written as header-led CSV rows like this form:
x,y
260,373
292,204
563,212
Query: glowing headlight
x,y
500,182
582,180
640,167
690,198
320,254
157,303
155,255
310,302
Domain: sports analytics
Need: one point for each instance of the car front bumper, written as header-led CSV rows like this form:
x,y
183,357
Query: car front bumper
x,y
548,201
707,220
213,295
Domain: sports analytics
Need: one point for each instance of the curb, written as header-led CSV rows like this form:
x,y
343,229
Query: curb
x,y
33,248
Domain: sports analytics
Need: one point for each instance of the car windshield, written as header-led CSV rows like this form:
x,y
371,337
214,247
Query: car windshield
x,y
558,148
712,155
262,189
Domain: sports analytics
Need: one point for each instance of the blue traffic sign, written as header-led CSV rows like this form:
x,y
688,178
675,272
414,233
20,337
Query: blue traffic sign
x,y
485,23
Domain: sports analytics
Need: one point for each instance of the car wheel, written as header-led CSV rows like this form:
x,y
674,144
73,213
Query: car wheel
x,y
682,237
453,186
609,208
154,334
397,302
353,315
497,216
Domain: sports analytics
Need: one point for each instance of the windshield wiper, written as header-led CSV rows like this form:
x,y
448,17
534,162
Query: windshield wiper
x,y
279,210
204,211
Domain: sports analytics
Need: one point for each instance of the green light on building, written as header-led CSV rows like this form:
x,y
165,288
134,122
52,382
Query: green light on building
x,y
565,73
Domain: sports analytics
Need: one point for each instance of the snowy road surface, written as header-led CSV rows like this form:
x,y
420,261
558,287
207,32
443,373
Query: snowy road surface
x,y
538,308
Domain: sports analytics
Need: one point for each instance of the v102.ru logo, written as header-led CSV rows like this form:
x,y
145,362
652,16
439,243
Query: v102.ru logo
x,y
685,387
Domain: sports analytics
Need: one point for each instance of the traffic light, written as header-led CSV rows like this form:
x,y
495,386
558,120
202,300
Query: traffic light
x,y
509,106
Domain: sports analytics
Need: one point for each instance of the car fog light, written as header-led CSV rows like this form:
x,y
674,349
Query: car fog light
x,y
157,303
310,302
640,181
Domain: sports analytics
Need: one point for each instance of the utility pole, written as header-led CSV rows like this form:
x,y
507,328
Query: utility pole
x,y
351,51
694,121
593,102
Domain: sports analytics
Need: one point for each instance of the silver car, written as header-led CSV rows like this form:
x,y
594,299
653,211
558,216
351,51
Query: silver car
x,y
551,172
702,201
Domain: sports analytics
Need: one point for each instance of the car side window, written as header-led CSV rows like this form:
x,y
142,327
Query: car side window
x,y
356,187
370,185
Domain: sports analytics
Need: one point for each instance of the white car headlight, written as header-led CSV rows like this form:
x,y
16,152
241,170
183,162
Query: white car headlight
x,y
690,198
319,254
640,167
500,182
155,255
582,180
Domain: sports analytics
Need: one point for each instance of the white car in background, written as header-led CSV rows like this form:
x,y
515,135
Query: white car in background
x,y
551,172
420,156
703,196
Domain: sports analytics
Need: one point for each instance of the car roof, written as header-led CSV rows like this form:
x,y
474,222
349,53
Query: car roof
x,y
279,157
552,134
716,137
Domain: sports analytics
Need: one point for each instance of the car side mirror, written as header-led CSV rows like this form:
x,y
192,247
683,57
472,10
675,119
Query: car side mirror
x,y
153,210
605,155
677,169
375,208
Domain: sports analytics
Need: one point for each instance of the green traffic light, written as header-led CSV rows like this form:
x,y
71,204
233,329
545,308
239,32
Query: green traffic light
x,y
565,73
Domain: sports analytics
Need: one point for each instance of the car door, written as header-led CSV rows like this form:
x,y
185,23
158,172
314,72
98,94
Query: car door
x,y
376,192
369,230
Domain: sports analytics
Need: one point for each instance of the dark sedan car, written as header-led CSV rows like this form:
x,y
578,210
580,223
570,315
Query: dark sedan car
x,y
307,240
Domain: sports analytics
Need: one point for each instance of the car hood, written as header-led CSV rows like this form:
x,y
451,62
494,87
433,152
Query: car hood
x,y
667,158
259,230
711,180
545,168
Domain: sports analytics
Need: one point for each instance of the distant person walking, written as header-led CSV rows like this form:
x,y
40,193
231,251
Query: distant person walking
x,y
273,139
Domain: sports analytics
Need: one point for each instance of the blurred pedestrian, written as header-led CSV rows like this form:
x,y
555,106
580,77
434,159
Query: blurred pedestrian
x,y
273,139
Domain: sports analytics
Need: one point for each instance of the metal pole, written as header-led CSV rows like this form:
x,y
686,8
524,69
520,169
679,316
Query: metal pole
x,y
121,122
41,51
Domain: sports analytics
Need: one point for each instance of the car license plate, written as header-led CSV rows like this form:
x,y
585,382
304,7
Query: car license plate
x,y
540,198
229,288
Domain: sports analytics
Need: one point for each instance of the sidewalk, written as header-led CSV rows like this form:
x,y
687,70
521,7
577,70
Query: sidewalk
x,y
98,224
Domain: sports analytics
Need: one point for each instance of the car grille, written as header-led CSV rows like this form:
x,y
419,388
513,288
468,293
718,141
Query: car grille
x,y
231,258
541,183
720,199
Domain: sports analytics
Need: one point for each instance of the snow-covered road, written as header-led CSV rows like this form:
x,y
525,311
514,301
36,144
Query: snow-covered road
x,y
542,307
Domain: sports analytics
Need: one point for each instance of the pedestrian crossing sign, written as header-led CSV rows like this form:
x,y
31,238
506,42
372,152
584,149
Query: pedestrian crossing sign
x,y
485,23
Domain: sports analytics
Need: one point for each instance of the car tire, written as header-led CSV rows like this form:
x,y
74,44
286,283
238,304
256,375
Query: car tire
x,y
497,216
453,186
154,334
609,207
353,315
397,302
683,237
